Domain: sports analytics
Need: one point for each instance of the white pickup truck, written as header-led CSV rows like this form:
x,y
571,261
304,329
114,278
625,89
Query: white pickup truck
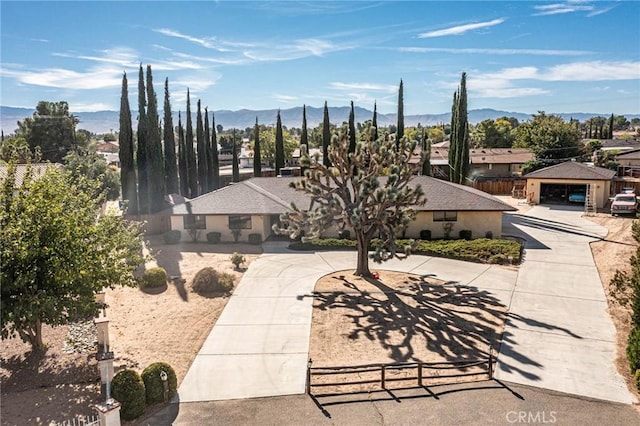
x,y
624,203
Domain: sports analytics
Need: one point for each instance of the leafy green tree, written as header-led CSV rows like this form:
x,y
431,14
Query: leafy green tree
x,y
52,128
192,168
85,164
279,145
368,192
109,137
215,162
16,148
400,127
56,252
494,134
201,153
156,175
142,154
459,145
549,137
326,136
234,166
268,144
126,151
257,157
170,163
182,159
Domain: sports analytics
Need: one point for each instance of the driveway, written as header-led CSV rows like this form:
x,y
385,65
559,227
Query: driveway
x,y
558,321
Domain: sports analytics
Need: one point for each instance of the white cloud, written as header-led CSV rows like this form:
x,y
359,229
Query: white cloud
x,y
90,107
67,79
461,29
570,6
284,98
539,52
593,71
363,86
209,42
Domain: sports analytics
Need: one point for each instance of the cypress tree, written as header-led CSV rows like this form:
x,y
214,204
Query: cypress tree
x,y
452,138
192,168
326,137
374,122
234,166
207,150
352,130
170,164
426,150
182,160
400,129
126,152
154,152
257,158
611,127
141,153
215,163
279,145
304,136
459,140
201,153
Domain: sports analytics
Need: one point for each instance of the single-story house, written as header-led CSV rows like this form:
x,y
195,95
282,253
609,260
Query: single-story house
x,y
253,206
567,183
629,161
37,170
485,162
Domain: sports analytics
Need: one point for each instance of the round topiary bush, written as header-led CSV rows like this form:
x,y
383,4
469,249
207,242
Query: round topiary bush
x,y
154,277
208,280
154,385
127,388
214,237
172,237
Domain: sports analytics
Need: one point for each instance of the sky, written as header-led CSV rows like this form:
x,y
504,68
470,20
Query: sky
x,y
519,56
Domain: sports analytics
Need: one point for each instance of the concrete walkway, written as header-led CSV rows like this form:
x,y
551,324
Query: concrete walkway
x,y
260,344
559,334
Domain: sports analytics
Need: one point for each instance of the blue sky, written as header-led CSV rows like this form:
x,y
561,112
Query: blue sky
x,y
524,56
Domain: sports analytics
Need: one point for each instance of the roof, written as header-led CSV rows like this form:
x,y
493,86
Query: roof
x,y
572,170
37,169
629,155
273,195
440,155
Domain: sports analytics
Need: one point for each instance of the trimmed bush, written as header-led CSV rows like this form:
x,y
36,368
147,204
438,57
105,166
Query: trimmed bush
x,y
636,379
153,382
237,259
465,234
214,237
425,235
488,235
345,234
255,239
127,388
172,237
154,277
633,349
207,280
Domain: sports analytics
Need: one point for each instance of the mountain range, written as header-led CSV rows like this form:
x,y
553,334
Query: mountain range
x,y
108,121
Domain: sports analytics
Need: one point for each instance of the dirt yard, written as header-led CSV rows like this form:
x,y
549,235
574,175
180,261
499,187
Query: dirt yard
x,y
169,325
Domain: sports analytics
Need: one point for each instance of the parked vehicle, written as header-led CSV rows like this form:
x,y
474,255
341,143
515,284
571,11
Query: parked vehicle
x,y
624,203
577,197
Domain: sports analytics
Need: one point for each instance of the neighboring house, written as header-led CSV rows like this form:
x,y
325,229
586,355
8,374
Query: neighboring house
x,y
112,147
37,170
628,175
253,206
564,182
485,163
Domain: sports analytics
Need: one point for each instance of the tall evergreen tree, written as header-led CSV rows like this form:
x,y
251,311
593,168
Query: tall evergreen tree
x,y
326,136
192,168
215,162
611,127
234,167
170,164
400,129
141,153
352,130
154,153
201,153
182,160
426,154
459,140
279,145
207,149
126,152
374,122
257,157
304,135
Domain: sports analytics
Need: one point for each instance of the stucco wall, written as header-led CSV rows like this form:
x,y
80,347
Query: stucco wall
x,y
478,222
220,223
603,189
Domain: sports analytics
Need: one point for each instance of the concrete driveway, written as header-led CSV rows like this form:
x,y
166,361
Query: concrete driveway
x,y
559,334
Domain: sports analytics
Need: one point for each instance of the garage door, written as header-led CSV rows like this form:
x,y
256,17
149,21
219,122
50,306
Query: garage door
x,y
563,193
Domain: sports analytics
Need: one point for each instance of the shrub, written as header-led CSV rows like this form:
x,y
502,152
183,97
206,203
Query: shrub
x,y
153,383
345,234
636,379
127,388
633,349
488,235
465,234
214,237
154,277
237,259
425,234
207,280
172,237
255,239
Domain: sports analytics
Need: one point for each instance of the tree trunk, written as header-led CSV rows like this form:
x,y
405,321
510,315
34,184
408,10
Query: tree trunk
x,y
362,268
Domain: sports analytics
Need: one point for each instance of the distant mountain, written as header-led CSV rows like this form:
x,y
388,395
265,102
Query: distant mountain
x,y
107,121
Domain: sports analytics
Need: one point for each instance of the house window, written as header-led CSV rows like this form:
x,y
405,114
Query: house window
x,y
239,222
445,216
194,221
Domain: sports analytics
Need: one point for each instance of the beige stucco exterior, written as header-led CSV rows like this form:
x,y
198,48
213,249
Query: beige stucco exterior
x,y
602,188
220,223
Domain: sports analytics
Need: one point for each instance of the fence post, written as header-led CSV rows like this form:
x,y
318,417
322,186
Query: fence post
x,y
382,378
490,362
308,384
420,374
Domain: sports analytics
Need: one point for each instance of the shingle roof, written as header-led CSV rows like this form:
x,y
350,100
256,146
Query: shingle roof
x,y
272,195
572,170
440,155
37,169
630,155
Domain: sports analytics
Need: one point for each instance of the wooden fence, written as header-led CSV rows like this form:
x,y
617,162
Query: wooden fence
x,y
497,186
412,374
